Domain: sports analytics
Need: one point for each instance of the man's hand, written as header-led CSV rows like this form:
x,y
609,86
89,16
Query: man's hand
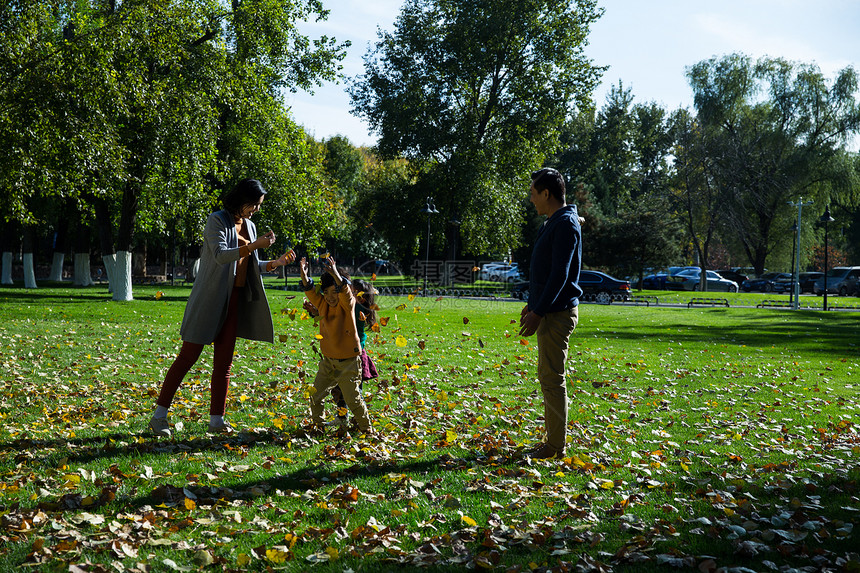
x,y
529,322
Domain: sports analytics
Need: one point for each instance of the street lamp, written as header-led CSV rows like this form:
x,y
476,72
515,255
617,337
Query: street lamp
x,y
800,205
791,293
825,219
429,209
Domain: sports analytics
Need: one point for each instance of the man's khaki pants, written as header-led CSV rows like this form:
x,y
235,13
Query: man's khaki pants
x,y
345,374
553,335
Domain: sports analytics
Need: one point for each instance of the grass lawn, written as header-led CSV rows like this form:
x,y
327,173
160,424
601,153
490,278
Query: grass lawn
x,y
700,438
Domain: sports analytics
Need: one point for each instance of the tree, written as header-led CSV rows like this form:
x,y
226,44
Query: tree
x,y
148,106
475,93
778,128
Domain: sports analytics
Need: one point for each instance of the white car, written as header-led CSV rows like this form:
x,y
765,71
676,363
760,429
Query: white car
x,y
506,273
487,268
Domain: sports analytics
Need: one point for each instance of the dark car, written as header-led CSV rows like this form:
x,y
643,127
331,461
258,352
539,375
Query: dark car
x,y
807,282
764,283
733,275
595,285
600,287
657,281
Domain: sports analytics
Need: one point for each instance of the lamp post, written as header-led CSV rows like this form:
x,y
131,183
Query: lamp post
x,y
793,250
825,219
429,209
800,205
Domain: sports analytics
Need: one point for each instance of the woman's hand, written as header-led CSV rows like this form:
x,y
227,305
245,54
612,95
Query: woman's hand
x,y
286,258
264,241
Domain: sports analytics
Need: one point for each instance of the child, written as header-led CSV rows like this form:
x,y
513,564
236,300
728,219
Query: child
x,y
340,345
365,314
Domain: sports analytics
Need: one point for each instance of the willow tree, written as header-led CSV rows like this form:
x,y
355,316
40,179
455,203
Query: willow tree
x,y
776,131
477,93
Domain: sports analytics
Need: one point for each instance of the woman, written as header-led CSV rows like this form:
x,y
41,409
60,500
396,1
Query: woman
x,y
227,301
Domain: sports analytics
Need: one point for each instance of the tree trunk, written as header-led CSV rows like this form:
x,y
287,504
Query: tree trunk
x,y
105,228
121,281
7,269
122,277
83,275
57,266
7,243
60,244
29,270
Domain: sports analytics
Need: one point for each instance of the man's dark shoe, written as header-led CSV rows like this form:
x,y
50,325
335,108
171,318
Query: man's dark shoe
x,y
545,452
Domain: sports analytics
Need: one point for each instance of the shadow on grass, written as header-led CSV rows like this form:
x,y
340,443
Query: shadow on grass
x,y
802,330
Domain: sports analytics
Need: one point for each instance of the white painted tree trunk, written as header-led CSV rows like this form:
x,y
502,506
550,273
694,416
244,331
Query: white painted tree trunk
x,y
29,272
192,272
57,267
122,276
6,273
110,264
83,274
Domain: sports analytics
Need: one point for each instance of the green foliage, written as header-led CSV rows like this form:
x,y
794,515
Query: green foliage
x,y
774,131
477,92
157,108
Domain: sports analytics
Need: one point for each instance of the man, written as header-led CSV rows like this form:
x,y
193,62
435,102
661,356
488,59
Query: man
x,y
553,308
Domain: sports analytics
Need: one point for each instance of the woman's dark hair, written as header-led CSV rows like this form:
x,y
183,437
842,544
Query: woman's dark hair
x,y
365,290
550,179
246,192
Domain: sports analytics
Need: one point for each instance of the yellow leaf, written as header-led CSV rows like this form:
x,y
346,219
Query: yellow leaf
x,y
411,297
318,336
332,552
400,341
276,555
469,521
278,423
243,559
450,436
190,504
400,306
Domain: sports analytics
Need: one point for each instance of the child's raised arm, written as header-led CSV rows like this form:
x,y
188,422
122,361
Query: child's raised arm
x,y
304,270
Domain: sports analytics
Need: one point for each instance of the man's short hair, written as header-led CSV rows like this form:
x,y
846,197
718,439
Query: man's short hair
x,y
550,179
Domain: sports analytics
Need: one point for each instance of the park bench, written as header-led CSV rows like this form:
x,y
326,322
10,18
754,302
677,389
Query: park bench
x,y
708,302
773,303
646,299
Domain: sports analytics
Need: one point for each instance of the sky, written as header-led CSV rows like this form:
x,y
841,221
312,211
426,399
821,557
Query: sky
x,y
647,44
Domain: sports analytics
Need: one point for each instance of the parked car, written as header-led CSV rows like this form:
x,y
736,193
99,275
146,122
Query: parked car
x,y
657,281
732,275
840,280
764,283
506,273
487,268
690,280
520,290
596,286
807,282
602,288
